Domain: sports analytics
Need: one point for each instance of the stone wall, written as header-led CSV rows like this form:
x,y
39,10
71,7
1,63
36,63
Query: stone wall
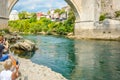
x,y
109,29
116,5
90,27
3,8
3,23
110,7
3,14
106,6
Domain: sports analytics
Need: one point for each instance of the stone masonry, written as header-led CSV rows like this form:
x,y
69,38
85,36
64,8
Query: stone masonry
x,y
87,14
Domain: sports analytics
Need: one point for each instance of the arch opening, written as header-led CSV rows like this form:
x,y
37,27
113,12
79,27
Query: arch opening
x,y
70,3
66,8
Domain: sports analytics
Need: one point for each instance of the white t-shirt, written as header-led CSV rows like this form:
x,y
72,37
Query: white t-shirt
x,y
6,75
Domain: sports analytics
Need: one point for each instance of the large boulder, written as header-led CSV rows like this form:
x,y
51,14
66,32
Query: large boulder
x,y
25,45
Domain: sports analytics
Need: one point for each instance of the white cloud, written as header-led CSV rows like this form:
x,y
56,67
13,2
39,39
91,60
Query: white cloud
x,y
38,5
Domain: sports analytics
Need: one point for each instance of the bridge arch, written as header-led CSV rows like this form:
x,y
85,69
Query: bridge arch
x,y
87,14
11,3
70,3
84,9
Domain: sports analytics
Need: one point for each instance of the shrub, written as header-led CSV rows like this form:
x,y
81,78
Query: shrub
x,y
117,13
102,17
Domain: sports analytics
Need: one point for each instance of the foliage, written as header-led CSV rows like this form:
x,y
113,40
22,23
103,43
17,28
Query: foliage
x,y
23,15
5,30
102,17
57,10
48,12
62,11
30,26
33,17
117,13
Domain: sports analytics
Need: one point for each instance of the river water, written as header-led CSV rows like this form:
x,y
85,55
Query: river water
x,y
78,59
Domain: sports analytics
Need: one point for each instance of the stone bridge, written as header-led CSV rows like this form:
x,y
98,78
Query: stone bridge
x,y
87,14
5,9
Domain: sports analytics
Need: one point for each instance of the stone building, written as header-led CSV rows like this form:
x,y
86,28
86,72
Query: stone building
x,y
13,15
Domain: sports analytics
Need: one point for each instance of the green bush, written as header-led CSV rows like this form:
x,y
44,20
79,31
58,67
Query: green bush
x,y
34,26
117,13
102,17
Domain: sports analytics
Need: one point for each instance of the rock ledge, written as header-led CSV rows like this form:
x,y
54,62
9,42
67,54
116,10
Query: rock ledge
x,y
32,71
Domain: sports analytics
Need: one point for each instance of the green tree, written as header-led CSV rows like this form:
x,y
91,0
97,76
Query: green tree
x,y
34,26
48,12
33,17
62,11
57,10
23,15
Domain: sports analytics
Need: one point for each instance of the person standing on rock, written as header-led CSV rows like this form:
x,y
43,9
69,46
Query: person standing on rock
x,y
7,73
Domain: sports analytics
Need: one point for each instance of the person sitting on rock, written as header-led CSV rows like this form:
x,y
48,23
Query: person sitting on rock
x,y
3,57
5,43
3,47
7,73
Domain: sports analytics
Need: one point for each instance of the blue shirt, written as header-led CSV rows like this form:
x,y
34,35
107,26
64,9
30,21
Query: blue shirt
x,y
3,57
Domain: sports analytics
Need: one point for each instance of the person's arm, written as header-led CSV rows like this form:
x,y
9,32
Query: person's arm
x,y
14,62
15,74
6,45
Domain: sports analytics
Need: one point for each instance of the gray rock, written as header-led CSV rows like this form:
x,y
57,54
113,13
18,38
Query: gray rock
x,y
13,37
25,45
32,71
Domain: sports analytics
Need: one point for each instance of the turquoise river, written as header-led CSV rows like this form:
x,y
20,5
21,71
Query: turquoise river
x,y
78,59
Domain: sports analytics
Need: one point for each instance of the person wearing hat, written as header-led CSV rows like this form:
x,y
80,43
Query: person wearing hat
x,y
7,73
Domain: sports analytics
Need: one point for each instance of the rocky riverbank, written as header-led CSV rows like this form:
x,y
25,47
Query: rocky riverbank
x,y
32,71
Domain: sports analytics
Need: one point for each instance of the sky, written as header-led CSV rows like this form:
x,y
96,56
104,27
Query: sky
x,y
38,5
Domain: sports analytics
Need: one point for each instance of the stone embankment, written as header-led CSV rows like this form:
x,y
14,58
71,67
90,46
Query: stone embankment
x,y
32,71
